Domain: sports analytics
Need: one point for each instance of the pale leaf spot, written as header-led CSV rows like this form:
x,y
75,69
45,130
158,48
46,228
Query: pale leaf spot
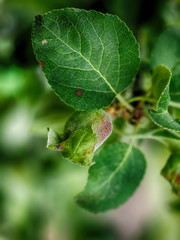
x,y
44,41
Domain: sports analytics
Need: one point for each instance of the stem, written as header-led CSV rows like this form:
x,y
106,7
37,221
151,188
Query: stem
x,y
141,98
151,100
131,143
174,133
124,102
174,104
146,137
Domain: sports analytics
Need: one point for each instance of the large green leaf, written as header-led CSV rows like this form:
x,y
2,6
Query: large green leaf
x,y
160,90
88,57
171,172
84,132
117,173
167,52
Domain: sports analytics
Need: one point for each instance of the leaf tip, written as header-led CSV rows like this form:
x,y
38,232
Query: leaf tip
x,y
53,140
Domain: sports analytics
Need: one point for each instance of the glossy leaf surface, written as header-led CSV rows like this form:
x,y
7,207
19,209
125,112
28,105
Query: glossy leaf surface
x,y
88,57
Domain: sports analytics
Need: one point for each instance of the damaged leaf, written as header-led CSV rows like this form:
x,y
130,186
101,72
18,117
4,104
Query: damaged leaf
x,y
171,172
83,134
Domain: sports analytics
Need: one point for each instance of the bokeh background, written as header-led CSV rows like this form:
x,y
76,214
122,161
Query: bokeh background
x,y
37,186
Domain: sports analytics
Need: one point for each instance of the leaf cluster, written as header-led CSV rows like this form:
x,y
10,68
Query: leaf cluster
x,y
90,60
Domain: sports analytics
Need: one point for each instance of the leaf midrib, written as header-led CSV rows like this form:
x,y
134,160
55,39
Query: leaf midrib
x,y
112,89
80,140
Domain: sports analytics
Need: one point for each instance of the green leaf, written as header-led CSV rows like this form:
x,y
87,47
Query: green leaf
x,y
167,52
99,120
160,116
88,57
160,83
54,139
165,120
175,83
171,172
79,147
117,173
83,134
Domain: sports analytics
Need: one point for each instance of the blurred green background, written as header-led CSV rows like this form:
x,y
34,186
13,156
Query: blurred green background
x,y
37,186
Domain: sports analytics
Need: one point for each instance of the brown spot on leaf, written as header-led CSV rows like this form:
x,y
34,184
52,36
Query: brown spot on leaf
x,y
59,147
172,174
105,129
177,179
78,92
41,63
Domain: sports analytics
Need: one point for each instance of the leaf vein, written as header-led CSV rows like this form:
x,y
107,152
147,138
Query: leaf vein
x,y
112,89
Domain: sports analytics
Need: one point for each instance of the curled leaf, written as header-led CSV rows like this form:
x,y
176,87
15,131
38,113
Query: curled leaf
x,y
167,52
160,90
83,134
